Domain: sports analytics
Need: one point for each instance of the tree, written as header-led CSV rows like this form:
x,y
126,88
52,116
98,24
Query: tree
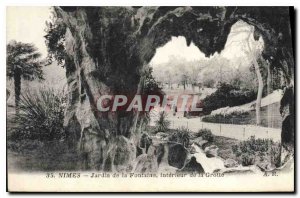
x,y
22,61
55,39
253,50
195,75
162,124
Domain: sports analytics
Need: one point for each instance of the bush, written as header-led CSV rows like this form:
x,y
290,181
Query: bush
x,y
162,124
40,116
254,151
275,153
231,115
234,111
227,95
181,136
255,145
247,159
209,83
206,134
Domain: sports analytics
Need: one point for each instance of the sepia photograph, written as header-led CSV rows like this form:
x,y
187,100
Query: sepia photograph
x,y
150,98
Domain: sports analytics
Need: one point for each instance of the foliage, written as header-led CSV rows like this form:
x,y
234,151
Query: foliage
x,y
209,83
23,59
235,111
41,116
55,39
247,159
162,124
275,154
206,134
234,115
181,135
150,85
253,151
227,95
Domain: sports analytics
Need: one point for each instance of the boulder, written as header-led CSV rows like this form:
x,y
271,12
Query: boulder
x,y
193,150
177,155
229,163
145,163
156,156
165,168
201,143
266,166
204,144
193,166
161,135
194,139
145,141
211,151
125,153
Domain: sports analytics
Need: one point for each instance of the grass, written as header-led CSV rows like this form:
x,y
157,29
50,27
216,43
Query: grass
x,y
37,156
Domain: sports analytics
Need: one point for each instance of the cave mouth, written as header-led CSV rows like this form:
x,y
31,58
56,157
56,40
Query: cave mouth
x,y
235,55
180,68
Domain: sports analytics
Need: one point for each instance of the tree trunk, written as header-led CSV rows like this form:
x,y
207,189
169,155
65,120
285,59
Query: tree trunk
x,y
17,84
269,84
94,69
259,92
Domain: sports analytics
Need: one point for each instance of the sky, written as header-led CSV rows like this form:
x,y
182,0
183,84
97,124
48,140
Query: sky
x,y
27,24
178,47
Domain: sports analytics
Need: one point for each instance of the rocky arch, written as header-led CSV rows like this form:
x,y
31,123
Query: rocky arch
x,y
106,48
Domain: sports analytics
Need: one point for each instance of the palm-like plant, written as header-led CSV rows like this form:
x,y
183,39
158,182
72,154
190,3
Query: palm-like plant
x,y
162,124
41,115
22,61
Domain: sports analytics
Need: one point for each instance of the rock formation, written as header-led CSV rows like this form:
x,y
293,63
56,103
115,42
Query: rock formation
x,y
106,48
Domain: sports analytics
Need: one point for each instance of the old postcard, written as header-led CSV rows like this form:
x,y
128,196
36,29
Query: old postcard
x,y
150,99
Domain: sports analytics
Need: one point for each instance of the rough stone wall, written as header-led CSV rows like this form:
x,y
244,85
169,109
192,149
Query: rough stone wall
x,y
108,46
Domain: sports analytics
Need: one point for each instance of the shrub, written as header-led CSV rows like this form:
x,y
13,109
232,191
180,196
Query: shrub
x,y
255,145
209,83
236,151
227,95
40,116
235,111
232,115
254,151
275,153
248,159
181,135
206,134
162,124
